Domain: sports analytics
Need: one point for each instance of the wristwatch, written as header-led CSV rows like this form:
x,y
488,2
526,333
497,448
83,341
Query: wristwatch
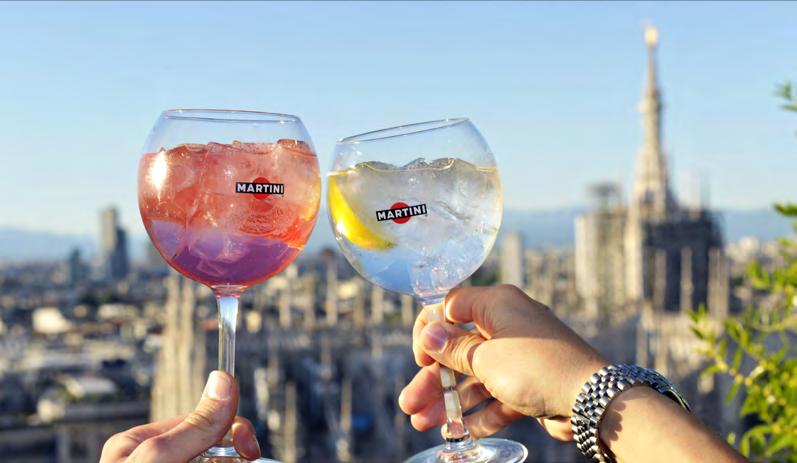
x,y
595,396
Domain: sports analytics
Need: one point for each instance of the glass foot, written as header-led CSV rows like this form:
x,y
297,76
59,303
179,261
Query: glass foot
x,y
205,459
236,459
490,450
226,455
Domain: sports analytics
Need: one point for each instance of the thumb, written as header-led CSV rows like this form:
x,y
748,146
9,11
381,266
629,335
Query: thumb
x,y
202,428
452,346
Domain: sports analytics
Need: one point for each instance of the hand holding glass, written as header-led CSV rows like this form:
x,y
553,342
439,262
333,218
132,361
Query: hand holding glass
x,y
416,209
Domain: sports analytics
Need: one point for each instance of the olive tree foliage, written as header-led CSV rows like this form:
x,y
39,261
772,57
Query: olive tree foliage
x,y
756,349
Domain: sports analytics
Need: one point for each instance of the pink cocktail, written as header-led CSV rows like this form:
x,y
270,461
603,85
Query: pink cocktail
x,y
230,215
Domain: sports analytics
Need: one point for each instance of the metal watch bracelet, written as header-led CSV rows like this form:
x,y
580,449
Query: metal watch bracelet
x,y
595,396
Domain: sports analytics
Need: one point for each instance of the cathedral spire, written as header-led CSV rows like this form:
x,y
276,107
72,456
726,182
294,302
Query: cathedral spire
x,y
652,196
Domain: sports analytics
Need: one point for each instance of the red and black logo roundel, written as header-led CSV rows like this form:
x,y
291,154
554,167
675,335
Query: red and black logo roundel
x,y
400,212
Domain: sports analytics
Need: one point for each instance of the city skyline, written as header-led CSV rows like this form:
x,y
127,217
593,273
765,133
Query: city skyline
x,y
530,86
593,116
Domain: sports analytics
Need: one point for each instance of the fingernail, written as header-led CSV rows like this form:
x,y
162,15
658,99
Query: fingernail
x,y
251,447
434,337
219,386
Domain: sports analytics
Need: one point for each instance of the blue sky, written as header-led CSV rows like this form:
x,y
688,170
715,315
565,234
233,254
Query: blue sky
x,y
553,87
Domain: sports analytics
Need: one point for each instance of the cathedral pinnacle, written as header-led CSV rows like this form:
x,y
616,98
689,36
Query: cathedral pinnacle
x,y
652,196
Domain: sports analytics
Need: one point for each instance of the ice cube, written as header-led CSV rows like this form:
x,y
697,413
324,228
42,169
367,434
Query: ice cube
x,y
266,218
224,167
217,247
256,148
184,166
442,163
443,211
416,164
375,165
169,182
295,145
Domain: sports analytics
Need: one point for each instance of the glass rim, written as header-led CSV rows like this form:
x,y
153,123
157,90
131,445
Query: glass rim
x,y
229,115
403,130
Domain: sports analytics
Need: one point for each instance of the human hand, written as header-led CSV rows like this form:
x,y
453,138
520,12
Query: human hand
x,y
519,354
182,438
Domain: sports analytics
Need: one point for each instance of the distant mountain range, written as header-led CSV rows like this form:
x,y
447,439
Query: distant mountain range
x,y
539,229
18,244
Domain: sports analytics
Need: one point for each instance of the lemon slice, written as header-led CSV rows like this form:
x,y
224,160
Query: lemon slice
x,y
349,225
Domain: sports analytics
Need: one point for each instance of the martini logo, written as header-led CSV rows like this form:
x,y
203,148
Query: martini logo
x,y
260,188
400,212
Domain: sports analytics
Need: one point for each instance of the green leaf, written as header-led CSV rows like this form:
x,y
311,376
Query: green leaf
x,y
712,370
732,392
781,442
737,360
744,445
722,347
744,337
784,90
787,209
751,405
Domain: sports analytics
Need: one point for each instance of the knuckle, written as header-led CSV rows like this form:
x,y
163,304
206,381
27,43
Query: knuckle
x,y
114,441
514,292
461,352
112,444
476,364
201,420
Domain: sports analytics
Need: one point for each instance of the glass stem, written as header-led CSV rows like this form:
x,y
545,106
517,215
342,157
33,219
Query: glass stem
x,y
228,318
454,431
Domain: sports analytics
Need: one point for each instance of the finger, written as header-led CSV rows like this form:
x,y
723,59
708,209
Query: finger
x,y
558,428
424,389
491,419
477,305
121,445
422,359
471,393
243,437
452,346
199,430
421,390
466,305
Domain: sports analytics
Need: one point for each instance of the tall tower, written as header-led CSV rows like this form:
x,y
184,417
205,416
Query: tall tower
x,y
513,271
113,245
652,198
600,255
74,268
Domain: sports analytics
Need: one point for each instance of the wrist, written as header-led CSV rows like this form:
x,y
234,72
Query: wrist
x,y
610,426
576,379
642,424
